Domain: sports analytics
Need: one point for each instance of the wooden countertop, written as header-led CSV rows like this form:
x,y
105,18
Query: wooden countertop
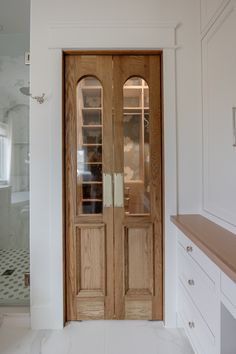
x,y
216,242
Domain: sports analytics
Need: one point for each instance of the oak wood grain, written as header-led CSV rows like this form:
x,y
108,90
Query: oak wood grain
x,y
90,257
139,260
89,254
114,265
148,68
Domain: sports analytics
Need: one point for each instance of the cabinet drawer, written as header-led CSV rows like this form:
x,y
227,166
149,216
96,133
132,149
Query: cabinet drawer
x,y
202,260
228,290
200,287
196,328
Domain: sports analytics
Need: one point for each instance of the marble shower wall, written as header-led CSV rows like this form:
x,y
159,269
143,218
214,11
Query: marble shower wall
x,y
14,106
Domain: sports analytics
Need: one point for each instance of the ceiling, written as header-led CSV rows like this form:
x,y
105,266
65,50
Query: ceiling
x,y
14,16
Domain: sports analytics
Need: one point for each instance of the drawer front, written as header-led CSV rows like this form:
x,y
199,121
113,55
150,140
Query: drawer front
x,y
199,333
203,261
228,290
201,288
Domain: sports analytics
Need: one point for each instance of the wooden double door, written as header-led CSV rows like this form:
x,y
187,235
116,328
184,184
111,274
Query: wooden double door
x,y
113,186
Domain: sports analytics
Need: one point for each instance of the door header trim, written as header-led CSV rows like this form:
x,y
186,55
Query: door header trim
x,y
113,52
107,35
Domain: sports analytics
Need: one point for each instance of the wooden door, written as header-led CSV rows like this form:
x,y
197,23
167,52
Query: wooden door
x,y
138,225
113,239
88,157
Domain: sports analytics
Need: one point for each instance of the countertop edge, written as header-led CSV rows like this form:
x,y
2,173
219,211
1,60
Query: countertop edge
x,y
229,270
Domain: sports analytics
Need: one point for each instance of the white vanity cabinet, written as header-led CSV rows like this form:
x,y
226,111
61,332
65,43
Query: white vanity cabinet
x,y
198,296
228,294
206,295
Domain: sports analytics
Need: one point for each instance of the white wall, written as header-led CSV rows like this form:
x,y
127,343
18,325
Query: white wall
x,y
46,241
219,96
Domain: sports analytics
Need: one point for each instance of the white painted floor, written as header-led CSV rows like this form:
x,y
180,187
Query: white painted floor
x,y
91,337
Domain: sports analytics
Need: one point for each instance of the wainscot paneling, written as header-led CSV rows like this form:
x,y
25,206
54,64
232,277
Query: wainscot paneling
x,y
219,98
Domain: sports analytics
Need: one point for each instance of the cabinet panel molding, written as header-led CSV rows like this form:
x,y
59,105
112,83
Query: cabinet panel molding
x,y
139,257
219,156
210,11
91,250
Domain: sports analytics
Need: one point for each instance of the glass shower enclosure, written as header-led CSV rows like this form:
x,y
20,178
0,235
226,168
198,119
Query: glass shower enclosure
x,y
14,171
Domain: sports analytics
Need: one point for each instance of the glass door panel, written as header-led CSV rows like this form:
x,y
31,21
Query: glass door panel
x,y
136,146
89,146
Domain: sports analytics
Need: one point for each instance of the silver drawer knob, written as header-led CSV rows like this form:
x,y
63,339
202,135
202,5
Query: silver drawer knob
x,y
189,249
191,325
191,282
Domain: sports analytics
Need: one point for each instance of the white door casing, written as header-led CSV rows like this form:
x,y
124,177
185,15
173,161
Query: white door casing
x,y
98,36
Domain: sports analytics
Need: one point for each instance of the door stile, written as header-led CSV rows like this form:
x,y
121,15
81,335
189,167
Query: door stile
x,y
70,153
106,68
118,168
156,181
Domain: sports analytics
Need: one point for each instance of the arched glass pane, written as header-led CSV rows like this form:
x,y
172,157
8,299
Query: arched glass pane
x,y
136,146
89,146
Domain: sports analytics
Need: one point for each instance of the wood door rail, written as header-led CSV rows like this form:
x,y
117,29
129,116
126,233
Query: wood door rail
x,y
216,242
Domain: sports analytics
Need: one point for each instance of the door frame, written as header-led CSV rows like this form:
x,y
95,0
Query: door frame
x,y
47,304
106,52
109,53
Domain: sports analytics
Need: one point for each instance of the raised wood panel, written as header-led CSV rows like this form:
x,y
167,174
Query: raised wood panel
x,y
90,256
139,260
219,87
138,309
90,309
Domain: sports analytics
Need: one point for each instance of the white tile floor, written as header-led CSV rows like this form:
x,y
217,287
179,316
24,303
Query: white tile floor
x,y
92,337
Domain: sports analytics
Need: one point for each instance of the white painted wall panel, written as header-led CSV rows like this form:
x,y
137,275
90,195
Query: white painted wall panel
x,y
210,9
219,96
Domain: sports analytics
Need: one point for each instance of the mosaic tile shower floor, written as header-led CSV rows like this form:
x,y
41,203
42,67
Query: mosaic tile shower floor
x,y
12,287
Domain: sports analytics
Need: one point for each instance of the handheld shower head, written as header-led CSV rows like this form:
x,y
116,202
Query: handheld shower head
x,y
25,91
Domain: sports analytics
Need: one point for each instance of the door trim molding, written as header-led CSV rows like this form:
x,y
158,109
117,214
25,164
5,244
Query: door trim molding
x,y
67,35
113,52
160,36
112,24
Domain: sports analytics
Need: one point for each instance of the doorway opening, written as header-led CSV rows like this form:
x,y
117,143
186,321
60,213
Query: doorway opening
x,y
113,186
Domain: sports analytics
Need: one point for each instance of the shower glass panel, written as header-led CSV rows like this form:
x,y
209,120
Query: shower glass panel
x,y
136,146
14,173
